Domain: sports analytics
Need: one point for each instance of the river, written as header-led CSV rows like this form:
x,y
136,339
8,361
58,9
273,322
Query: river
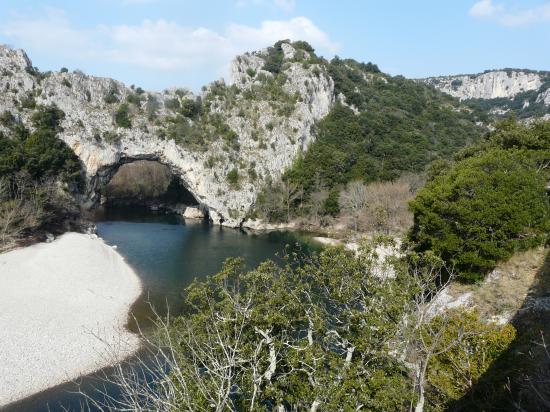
x,y
167,253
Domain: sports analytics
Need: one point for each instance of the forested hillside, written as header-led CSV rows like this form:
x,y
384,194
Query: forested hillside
x,y
381,128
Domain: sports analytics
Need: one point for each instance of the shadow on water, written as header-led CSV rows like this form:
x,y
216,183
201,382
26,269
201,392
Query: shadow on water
x,y
167,252
520,378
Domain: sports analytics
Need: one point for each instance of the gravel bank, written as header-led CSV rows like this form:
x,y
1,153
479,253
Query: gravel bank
x,y
63,310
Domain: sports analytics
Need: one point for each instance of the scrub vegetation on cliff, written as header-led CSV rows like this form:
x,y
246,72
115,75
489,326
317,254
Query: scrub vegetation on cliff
x,y
382,128
37,170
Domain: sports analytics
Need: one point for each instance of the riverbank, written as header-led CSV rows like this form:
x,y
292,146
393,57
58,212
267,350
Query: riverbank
x,y
63,310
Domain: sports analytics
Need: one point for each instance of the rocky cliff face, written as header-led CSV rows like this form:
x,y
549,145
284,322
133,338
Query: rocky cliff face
x,y
523,93
256,126
489,85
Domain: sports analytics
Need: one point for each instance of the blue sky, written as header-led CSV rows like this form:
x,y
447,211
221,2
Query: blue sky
x,y
157,44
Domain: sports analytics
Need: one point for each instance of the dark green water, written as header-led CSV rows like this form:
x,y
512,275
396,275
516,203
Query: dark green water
x,y
168,253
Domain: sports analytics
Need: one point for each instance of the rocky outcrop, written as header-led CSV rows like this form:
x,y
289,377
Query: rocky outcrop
x,y
489,85
271,125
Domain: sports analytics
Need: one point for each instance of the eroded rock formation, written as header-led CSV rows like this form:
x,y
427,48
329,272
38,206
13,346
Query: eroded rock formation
x,y
266,117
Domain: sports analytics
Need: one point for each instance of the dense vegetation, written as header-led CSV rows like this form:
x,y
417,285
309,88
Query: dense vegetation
x,y
40,153
31,164
327,332
401,126
395,127
489,203
524,105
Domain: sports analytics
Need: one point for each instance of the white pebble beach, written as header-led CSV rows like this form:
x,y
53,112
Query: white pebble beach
x,y
63,311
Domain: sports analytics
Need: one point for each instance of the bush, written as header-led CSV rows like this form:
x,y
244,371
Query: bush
x,y
251,72
111,137
135,99
233,178
64,70
191,108
274,58
28,102
482,210
112,95
122,116
40,154
466,349
48,117
172,104
303,45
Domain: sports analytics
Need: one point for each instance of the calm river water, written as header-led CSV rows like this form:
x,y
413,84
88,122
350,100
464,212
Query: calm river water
x,y
168,253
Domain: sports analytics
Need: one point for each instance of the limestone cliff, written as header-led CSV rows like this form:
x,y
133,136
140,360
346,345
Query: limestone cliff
x,y
525,93
489,85
243,134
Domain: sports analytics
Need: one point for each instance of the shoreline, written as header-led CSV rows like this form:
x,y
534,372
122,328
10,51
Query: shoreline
x,y
64,312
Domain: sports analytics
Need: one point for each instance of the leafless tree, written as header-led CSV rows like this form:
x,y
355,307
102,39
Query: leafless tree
x,y
423,339
353,200
316,203
21,207
290,192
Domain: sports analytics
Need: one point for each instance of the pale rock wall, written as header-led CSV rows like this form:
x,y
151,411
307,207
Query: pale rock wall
x,y
489,85
89,116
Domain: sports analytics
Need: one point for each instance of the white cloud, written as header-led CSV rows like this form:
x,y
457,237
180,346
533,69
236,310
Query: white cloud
x,y
285,5
485,8
157,44
137,2
511,17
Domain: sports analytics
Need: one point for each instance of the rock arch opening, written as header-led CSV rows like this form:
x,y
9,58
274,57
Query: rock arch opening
x,y
148,183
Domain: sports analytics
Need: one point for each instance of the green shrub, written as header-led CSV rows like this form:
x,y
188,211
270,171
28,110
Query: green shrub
x,y
172,104
66,83
191,108
48,117
251,72
112,95
233,178
122,116
465,351
135,99
303,45
64,70
111,137
274,58
28,102
40,154
7,118
482,210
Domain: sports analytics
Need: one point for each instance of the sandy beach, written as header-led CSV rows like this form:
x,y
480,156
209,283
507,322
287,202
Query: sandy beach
x,y
63,310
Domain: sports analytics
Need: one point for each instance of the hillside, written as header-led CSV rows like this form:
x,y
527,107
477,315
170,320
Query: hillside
x,y
500,93
384,127
341,119
223,144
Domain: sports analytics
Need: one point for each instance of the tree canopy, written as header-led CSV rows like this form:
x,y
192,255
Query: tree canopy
x,y
488,204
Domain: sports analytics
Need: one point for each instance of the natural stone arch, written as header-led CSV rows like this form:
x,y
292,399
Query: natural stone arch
x,y
104,175
102,145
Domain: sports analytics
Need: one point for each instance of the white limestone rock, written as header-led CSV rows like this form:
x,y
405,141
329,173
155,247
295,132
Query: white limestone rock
x,y
489,85
89,128
193,213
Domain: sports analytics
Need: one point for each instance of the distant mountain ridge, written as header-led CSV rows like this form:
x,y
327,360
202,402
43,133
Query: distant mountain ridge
x,y
520,92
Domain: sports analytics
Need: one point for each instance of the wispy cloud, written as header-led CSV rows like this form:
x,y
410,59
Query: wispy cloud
x,y
511,17
285,5
157,44
485,8
137,2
